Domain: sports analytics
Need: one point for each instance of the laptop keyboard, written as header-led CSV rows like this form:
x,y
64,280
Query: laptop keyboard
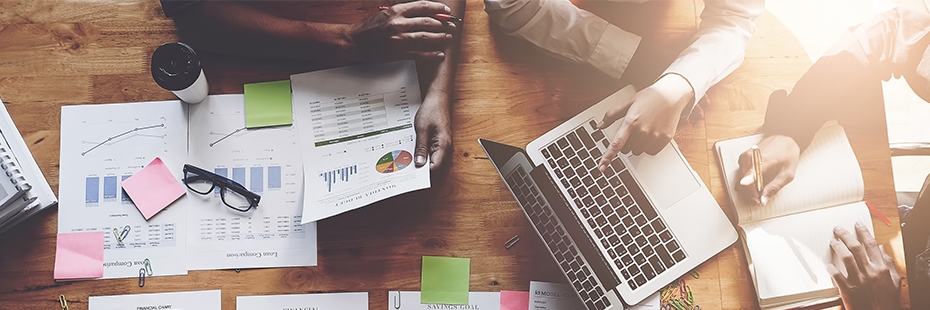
x,y
566,253
614,206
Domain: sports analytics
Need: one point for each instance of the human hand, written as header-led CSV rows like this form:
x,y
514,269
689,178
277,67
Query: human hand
x,y
403,31
872,282
434,132
780,156
650,121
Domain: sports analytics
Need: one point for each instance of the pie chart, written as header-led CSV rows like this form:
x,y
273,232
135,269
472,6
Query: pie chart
x,y
394,161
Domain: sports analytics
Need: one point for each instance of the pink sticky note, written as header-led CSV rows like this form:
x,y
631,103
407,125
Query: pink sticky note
x,y
153,188
511,300
79,255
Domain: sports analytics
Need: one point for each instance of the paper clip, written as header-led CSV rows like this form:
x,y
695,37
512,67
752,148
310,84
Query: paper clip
x,y
116,235
63,301
148,267
238,270
695,274
397,301
690,298
125,233
141,277
513,240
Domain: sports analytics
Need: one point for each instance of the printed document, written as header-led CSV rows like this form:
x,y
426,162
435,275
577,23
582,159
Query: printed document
x,y
332,301
197,300
104,144
553,296
357,135
267,162
398,300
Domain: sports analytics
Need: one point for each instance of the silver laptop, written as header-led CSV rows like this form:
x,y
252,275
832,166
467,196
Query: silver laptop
x,y
621,235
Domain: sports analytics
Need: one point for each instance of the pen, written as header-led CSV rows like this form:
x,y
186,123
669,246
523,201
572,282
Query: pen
x,y
757,166
443,17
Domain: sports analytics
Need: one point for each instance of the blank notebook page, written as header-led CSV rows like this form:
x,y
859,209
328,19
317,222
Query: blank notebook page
x,y
790,254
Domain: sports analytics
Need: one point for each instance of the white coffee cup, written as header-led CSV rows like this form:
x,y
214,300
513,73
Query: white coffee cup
x,y
175,67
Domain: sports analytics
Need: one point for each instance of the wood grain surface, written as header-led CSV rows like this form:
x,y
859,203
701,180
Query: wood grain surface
x,y
64,52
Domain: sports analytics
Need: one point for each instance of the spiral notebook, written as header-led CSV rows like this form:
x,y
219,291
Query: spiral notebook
x,y
25,191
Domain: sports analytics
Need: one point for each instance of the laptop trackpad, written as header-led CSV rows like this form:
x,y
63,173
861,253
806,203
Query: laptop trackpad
x,y
666,177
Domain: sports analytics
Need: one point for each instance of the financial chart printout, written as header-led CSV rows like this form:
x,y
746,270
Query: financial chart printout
x,y
267,162
101,146
357,135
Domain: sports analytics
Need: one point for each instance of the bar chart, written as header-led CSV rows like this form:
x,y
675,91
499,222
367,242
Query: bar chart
x,y
338,175
256,179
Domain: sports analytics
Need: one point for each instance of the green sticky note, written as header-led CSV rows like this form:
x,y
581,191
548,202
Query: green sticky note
x,y
444,280
268,104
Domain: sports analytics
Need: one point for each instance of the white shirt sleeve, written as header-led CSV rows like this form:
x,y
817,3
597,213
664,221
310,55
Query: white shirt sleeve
x,y
890,41
719,45
565,31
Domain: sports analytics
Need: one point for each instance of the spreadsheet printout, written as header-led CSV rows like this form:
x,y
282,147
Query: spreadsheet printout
x,y
357,135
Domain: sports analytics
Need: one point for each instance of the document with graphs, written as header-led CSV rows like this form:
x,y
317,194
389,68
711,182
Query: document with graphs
x,y
357,136
267,162
104,144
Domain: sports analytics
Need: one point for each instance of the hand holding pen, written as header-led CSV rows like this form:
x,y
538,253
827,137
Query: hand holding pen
x,y
418,30
767,167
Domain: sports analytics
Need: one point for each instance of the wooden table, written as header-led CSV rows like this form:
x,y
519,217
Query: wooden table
x,y
55,53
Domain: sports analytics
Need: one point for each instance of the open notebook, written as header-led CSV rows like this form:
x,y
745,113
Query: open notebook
x,y
29,192
787,242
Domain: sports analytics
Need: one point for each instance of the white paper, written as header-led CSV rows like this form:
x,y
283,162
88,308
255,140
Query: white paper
x,y
553,296
267,162
398,300
351,119
103,144
199,300
333,301
196,231
650,303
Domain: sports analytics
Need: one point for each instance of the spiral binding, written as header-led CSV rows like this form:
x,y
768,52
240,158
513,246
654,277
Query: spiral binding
x,y
9,165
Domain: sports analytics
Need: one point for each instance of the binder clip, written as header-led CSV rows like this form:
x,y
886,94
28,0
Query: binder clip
x,y
513,240
63,301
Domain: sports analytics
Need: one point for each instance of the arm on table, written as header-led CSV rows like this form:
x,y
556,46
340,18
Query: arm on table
x,y
404,31
650,122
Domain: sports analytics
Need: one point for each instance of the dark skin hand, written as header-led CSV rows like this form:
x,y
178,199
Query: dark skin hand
x,y
871,280
403,31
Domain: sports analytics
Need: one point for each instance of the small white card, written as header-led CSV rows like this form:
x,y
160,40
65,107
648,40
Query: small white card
x,y
553,296
411,301
200,300
330,301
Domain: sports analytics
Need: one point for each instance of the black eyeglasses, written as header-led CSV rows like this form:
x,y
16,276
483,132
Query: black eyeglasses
x,y
234,195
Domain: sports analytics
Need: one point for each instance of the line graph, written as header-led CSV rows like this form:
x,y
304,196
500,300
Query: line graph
x,y
224,136
123,137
